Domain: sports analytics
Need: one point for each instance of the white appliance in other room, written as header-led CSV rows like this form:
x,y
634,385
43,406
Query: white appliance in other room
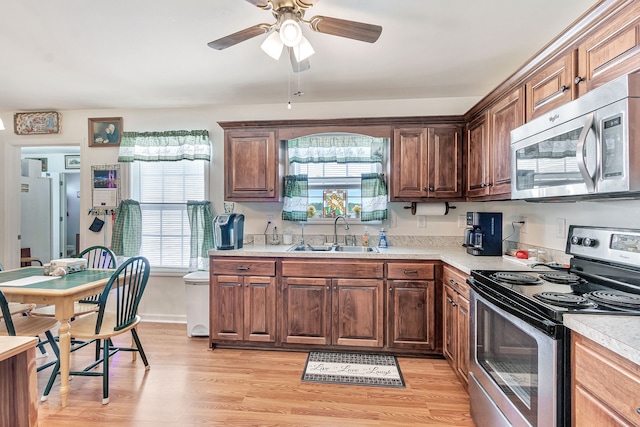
x,y
36,217
196,286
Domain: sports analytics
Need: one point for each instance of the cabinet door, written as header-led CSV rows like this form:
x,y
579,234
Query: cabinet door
x,y
409,164
445,162
260,309
358,312
306,311
462,341
552,86
450,325
251,166
477,157
612,51
505,116
411,314
226,308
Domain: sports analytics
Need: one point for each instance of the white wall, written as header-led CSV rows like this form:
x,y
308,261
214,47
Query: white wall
x,y
165,296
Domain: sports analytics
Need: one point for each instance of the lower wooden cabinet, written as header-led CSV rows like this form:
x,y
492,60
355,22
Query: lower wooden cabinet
x,y
243,306
341,312
605,386
330,310
455,322
411,307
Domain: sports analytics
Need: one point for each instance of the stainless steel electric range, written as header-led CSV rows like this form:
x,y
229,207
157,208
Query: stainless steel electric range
x,y
520,367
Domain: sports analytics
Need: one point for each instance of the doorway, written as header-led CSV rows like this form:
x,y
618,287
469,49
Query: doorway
x,y
50,203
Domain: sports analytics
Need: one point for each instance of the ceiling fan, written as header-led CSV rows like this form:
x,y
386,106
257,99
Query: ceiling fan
x,y
289,14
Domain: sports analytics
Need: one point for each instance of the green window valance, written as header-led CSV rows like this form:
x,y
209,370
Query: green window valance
x,y
336,148
165,146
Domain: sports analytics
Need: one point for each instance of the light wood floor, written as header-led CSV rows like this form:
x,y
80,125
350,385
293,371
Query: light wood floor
x,y
190,385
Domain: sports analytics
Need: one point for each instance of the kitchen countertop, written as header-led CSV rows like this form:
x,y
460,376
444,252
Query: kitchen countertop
x,y
618,333
455,256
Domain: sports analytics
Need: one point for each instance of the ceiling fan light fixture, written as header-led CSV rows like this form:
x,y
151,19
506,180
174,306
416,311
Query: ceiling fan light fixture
x,y
303,50
290,32
273,46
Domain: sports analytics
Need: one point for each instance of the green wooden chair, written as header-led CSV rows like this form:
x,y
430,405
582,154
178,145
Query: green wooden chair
x,y
126,286
27,326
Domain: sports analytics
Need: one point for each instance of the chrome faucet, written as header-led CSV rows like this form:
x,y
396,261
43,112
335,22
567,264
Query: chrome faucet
x,y
335,228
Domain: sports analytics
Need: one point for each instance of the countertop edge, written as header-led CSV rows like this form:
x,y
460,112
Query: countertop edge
x,y
618,333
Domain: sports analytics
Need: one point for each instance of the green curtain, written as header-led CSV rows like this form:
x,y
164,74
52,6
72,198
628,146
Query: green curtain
x,y
374,197
296,198
336,148
165,146
126,239
201,225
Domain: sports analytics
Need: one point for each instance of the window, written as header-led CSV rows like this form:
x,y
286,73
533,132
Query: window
x,y
163,189
334,164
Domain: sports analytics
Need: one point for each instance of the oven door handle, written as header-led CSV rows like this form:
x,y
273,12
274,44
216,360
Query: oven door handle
x,y
501,301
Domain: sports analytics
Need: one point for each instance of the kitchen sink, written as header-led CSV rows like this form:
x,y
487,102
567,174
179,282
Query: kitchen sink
x,y
311,248
356,249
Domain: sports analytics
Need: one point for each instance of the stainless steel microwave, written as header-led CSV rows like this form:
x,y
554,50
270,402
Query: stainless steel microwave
x,y
587,148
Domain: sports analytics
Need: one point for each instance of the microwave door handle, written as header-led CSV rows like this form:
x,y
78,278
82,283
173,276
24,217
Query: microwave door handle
x,y
580,158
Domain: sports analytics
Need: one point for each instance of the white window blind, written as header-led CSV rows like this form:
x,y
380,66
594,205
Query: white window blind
x,y
163,189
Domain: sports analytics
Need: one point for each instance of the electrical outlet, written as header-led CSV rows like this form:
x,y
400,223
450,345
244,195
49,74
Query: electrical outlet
x,y
462,221
524,228
561,227
422,221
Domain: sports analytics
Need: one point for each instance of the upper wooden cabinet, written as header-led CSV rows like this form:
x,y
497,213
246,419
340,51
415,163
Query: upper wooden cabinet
x,y
251,168
611,51
426,163
552,86
489,145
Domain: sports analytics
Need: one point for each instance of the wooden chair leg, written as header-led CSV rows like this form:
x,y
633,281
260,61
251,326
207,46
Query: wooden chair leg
x,y
134,334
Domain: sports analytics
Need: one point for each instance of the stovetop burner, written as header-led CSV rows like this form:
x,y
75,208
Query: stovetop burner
x,y
516,278
615,299
564,300
561,278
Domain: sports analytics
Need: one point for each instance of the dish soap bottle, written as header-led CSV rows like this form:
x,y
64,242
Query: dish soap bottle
x,y
382,243
365,237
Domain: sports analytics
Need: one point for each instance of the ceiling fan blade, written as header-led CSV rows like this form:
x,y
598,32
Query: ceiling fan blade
x,y
262,4
298,67
305,4
240,36
343,28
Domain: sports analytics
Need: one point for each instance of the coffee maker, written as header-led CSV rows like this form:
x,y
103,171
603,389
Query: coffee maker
x,y
228,231
484,233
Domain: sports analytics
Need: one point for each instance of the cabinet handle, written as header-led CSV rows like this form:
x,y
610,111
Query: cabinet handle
x,y
239,285
489,184
425,189
578,80
483,185
328,288
246,285
271,189
335,288
243,268
410,271
390,289
564,88
431,189
453,282
452,302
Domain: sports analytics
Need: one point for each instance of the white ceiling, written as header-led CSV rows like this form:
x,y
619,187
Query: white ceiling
x,y
84,54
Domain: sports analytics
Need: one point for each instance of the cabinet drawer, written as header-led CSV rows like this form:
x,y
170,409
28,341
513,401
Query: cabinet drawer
x,y
408,271
607,376
244,267
456,279
335,268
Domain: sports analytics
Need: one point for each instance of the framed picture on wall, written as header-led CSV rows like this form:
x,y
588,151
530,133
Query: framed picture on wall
x,y
105,132
72,162
46,122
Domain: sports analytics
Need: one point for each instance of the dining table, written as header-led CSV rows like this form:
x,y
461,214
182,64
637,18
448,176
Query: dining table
x,y
30,285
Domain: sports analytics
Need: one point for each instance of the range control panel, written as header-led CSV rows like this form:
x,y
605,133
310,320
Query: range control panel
x,y
619,245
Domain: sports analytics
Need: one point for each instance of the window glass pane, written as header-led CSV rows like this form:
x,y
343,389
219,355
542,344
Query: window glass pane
x,y
163,188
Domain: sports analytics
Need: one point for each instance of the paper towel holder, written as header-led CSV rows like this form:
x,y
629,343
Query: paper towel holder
x,y
414,206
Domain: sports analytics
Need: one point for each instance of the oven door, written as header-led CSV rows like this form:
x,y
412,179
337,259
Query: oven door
x,y
516,372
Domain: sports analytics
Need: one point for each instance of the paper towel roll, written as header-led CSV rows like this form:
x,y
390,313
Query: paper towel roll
x,y
432,209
